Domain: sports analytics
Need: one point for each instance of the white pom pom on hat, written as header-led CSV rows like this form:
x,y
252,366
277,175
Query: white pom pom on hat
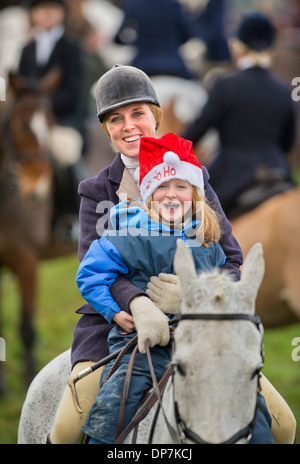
x,y
171,158
165,158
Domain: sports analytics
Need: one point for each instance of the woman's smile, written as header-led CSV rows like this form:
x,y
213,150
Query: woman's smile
x,y
128,124
132,138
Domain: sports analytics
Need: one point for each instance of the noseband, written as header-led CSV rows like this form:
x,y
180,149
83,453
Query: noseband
x,y
245,432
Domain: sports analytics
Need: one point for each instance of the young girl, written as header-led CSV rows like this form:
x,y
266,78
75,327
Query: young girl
x,y
143,244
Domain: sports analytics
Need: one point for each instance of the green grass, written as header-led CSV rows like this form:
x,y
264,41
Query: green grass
x,y
58,298
57,301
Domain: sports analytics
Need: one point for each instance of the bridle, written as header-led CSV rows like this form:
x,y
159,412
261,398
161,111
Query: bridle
x,y
218,317
183,431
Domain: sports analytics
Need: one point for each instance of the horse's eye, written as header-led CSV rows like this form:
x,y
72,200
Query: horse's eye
x,y
179,366
256,372
181,369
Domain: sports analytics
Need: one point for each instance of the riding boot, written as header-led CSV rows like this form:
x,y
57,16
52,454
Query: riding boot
x,y
283,420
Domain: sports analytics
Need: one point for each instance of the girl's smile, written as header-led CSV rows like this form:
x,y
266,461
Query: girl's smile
x,y
172,200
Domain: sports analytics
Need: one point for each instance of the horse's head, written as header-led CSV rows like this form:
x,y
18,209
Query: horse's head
x,y
28,124
217,357
29,119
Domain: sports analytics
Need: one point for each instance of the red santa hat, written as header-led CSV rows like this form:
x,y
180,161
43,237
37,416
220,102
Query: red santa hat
x,y
165,158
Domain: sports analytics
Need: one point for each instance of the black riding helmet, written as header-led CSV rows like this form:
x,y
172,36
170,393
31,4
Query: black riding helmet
x,y
122,85
33,3
257,31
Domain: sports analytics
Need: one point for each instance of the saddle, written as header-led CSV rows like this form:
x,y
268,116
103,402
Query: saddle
x,y
266,186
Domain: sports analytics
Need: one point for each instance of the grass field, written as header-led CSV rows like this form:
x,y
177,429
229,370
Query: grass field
x,y
57,301
59,298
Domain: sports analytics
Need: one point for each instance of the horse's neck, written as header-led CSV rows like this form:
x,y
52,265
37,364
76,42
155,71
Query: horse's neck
x,y
8,181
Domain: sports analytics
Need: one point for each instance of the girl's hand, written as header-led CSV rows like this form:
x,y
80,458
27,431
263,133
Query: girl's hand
x,y
124,320
150,323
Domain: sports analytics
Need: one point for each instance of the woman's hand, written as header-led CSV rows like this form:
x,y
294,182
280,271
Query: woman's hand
x,y
165,291
124,320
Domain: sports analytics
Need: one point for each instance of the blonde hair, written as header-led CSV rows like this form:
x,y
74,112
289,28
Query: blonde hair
x,y
210,227
209,230
240,50
156,110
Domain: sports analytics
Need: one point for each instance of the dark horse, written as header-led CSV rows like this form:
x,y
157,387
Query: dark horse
x,y
26,192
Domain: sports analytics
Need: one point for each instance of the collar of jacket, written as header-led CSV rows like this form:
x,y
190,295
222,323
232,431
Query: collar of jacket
x,y
128,188
118,174
116,170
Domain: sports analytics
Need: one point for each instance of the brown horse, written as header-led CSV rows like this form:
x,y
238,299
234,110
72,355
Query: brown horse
x,y
276,224
26,189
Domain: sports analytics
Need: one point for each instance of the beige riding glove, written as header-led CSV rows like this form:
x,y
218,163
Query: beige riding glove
x,y
150,323
165,291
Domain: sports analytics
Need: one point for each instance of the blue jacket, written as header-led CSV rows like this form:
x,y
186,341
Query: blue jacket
x,y
158,29
138,248
66,100
91,331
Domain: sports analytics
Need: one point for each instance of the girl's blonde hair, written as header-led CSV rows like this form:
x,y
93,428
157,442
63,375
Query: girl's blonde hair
x,y
209,230
156,110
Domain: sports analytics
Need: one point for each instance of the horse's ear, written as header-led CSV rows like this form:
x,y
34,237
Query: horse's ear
x,y
254,267
184,264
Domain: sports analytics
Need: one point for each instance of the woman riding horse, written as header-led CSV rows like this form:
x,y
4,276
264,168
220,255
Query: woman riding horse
x,y
127,109
171,185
